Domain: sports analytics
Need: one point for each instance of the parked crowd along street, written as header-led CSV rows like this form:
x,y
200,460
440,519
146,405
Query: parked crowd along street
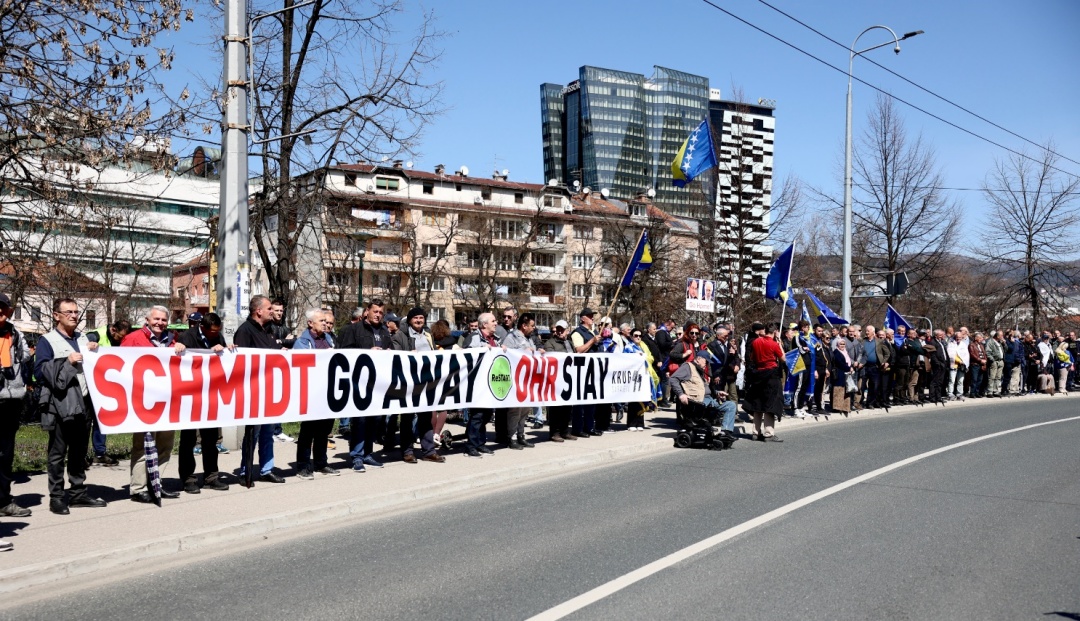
x,y
797,370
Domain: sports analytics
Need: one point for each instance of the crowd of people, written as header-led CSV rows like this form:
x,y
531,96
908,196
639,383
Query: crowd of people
x,y
769,370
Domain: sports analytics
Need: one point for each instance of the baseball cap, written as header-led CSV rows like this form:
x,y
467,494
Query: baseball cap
x,y
391,317
586,312
5,301
196,316
561,324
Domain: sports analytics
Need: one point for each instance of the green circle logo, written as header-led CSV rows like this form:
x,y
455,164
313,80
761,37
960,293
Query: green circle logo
x,y
499,378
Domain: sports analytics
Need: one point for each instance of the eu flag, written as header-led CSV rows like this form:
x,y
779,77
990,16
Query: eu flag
x,y
778,283
695,156
641,259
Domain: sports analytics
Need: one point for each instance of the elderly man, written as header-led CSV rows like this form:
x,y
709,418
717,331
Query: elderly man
x,y
583,339
509,319
65,406
313,439
476,426
205,335
153,334
688,384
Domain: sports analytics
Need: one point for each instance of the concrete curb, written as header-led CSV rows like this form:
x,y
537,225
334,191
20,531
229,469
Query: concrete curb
x,y
47,572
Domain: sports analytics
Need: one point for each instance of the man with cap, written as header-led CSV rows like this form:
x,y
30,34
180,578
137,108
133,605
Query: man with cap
x,y
582,339
14,354
193,320
414,336
393,323
559,416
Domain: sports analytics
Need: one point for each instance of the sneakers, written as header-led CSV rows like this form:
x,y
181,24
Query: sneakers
x,y
358,466
486,451
328,471
371,461
284,437
14,510
221,449
197,450
306,474
800,413
474,453
6,545
192,487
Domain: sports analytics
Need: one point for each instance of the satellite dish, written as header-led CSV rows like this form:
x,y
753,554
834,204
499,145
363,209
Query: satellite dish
x,y
386,158
506,172
577,184
605,192
464,171
553,182
586,190
651,193
409,164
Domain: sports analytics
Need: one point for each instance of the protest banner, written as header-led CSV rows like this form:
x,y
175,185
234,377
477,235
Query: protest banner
x,y
146,389
700,295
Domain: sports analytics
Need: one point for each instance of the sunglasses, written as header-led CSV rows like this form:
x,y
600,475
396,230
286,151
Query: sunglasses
x,y
694,333
637,336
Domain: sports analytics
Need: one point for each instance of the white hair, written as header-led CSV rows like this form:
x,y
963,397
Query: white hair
x,y
312,313
157,308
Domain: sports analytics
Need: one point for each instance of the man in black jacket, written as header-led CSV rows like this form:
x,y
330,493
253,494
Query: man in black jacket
x,y
367,334
205,335
253,334
665,342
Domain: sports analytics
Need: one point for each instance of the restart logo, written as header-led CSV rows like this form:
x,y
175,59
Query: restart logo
x,y
499,379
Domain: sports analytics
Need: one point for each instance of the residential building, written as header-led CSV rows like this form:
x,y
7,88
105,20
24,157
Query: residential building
x,y
458,245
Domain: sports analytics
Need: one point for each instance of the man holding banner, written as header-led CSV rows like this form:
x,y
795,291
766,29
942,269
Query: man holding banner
x,y
368,333
254,333
153,334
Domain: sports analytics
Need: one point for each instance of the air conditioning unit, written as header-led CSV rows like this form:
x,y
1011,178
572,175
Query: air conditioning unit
x,y
477,200
568,207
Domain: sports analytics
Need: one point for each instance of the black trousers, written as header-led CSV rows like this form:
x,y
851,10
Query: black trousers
x,y
502,434
635,414
10,413
403,424
68,439
208,440
937,381
559,419
900,387
311,442
819,389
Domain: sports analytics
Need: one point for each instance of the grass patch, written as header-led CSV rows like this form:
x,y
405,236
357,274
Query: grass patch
x,y
32,447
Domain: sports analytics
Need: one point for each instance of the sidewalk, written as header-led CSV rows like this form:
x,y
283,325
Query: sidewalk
x,y
52,547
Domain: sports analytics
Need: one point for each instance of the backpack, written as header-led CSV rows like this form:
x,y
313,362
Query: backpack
x,y
672,367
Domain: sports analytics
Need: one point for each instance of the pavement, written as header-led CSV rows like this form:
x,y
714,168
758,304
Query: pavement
x,y
51,548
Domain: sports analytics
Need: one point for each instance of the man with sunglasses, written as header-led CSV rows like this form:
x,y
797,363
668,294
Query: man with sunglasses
x,y
509,318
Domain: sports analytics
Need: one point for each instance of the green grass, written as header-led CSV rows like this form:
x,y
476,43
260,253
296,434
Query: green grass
x,y
32,447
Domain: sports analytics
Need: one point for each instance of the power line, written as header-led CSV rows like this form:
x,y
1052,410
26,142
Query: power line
x,y
941,187
918,86
882,91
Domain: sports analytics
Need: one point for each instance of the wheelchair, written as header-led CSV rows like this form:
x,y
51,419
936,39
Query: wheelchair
x,y
698,428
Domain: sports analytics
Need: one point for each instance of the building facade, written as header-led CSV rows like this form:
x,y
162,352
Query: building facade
x,y
618,131
459,245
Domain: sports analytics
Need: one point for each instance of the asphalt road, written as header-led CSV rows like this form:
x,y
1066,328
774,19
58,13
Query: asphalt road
x,y
990,530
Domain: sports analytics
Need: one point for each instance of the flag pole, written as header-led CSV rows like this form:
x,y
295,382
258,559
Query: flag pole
x,y
615,298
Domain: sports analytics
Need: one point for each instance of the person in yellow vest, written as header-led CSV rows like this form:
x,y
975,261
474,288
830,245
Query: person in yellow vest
x,y
106,336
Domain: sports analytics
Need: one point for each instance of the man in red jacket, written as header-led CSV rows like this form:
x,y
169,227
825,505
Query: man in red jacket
x,y
153,334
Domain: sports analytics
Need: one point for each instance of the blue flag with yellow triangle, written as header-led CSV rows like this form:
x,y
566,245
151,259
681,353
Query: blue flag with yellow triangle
x,y
641,259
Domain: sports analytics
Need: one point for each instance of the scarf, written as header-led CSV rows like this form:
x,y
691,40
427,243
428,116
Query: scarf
x,y
847,358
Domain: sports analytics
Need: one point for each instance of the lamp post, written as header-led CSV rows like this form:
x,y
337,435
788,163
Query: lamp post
x,y
361,250
846,310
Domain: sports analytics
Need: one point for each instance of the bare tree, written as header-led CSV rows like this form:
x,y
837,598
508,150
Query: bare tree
x,y
903,220
1031,236
343,72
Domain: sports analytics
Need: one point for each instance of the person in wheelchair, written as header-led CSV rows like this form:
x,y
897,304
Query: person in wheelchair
x,y
690,386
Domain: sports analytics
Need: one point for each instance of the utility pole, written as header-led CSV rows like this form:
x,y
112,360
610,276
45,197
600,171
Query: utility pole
x,y
233,248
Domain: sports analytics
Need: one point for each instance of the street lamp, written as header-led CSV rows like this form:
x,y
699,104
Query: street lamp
x,y
846,310
361,250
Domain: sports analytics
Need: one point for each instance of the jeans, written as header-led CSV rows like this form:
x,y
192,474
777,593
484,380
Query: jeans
x,y
872,373
974,380
476,427
98,440
583,418
727,412
264,436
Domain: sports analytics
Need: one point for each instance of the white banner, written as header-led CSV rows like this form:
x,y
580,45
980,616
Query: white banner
x,y
150,389
700,295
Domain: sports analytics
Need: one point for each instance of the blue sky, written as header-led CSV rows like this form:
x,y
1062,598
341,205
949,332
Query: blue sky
x,y
1013,63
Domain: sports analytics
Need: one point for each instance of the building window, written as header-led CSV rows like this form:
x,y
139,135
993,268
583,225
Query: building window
x,y
637,209
549,201
579,291
35,313
549,232
429,187
519,197
543,259
389,282
382,248
18,313
583,232
433,251
350,178
485,193
336,278
429,283
434,315
510,229
457,187
432,218
584,261
507,260
386,183
91,319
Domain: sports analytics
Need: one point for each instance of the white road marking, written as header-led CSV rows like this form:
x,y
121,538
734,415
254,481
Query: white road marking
x,y
581,601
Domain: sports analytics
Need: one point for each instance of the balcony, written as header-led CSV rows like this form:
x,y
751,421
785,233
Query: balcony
x,y
199,300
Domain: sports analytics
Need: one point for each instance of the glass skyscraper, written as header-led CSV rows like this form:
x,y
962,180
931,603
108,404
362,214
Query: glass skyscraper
x,y
619,131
